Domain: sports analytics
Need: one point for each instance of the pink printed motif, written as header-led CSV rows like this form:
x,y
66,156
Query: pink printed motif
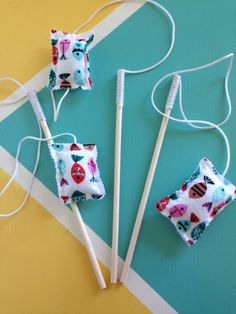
x,y
64,45
92,168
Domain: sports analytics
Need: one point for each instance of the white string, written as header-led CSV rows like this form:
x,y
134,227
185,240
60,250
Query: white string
x,y
53,105
193,122
57,109
46,139
156,4
4,102
39,139
28,189
11,102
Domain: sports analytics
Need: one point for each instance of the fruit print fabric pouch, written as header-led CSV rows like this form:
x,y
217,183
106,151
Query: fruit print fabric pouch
x,y
77,173
192,208
70,61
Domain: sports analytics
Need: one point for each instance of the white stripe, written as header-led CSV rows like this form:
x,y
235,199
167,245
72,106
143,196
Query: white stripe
x,y
102,29
151,299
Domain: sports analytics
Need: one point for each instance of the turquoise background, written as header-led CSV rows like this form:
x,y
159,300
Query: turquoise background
x,y
201,279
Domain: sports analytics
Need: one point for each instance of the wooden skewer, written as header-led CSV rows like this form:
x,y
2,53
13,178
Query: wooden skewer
x,y
151,173
88,245
116,196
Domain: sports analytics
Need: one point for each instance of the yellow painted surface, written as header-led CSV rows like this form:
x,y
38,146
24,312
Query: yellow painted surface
x,y
43,268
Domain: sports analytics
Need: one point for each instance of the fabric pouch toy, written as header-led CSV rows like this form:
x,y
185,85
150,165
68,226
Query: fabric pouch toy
x,y
70,67
77,173
70,61
192,208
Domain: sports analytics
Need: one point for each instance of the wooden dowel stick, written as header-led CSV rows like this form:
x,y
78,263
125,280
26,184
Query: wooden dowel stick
x,y
148,184
117,162
116,197
46,131
88,246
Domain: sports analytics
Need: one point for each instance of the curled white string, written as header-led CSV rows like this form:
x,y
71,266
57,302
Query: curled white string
x,y
39,139
11,102
157,5
28,189
56,109
193,123
4,102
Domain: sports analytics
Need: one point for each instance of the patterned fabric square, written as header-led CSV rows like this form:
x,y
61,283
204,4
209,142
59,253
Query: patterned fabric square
x,y
77,173
192,208
70,61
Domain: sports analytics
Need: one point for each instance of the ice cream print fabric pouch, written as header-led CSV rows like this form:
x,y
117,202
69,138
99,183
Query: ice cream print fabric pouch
x,y
77,173
70,61
192,208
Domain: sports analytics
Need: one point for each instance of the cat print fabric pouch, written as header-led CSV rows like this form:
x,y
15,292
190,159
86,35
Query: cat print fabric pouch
x,y
70,61
77,173
193,207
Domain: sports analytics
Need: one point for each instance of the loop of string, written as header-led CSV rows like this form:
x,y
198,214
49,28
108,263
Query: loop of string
x,y
11,102
28,190
195,123
56,109
4,102
38,139
157,5
46,139
149,68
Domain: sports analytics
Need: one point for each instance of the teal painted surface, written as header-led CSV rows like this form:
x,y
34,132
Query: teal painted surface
x,y
201,279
